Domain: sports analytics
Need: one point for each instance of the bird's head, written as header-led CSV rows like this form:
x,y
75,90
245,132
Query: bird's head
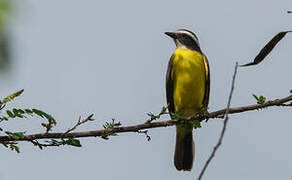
x,y
185,39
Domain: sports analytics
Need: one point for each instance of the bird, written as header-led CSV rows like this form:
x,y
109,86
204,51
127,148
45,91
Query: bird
x,y
187,92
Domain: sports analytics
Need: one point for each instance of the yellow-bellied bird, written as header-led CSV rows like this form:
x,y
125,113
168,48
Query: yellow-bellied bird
x,y
187,91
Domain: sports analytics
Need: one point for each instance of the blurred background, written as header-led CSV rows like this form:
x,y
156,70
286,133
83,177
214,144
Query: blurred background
x,y
110,58
5,47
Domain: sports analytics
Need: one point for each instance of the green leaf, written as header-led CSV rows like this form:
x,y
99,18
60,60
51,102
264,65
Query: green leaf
x,y
260,100
255,97
45,115
151,115
50,119
38,112
12,96
291,91
17,112
10,114
44,125
28,111
47,126
14,147
20,111
14,111
196,124
73,142
16,135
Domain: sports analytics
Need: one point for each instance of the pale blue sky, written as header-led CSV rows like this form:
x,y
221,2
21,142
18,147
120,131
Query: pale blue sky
x,y
110,58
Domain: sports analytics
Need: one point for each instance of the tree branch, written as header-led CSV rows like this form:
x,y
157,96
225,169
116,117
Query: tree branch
x,y
135,128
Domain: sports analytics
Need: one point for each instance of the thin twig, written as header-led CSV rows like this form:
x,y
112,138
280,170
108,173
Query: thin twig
x,y
146,134
89,118
47,144
224,126
154,117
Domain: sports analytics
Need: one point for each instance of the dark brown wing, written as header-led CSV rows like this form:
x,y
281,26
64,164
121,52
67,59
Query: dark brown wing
x,y
207,83
169,86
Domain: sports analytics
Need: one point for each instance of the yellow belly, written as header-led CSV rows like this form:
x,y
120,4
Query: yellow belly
x,y
189,82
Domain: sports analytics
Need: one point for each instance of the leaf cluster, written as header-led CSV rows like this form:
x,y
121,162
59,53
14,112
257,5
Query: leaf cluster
x,y
260,99
109,125
23,113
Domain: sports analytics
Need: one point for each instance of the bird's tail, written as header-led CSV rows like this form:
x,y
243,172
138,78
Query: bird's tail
x,y
184,148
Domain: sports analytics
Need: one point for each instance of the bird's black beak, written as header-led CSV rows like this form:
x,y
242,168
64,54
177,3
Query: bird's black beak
x,y
171,34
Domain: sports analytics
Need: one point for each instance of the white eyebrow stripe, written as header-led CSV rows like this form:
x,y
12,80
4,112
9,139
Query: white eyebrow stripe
x,y
189,34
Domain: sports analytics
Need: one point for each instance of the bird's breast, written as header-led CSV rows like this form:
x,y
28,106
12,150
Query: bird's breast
x,y
189,81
